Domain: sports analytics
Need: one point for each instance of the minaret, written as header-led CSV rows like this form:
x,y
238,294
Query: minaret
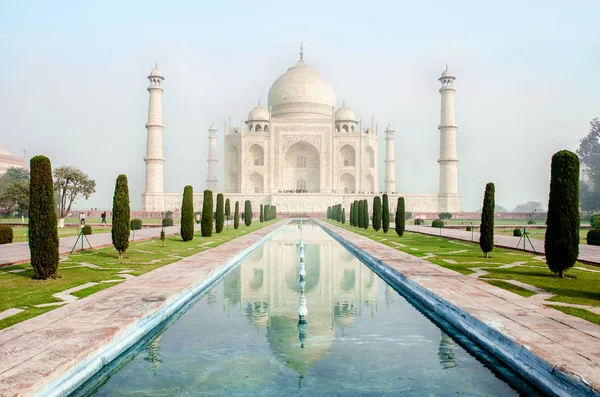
x,y
448,159
211,177
390,160
154,145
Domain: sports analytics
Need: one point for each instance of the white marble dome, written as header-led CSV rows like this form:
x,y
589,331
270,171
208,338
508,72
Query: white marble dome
x,y
155,73
301,90
259,113
447,73
345,114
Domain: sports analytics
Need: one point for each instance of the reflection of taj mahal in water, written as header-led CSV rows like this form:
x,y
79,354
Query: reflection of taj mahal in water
x,y
301,153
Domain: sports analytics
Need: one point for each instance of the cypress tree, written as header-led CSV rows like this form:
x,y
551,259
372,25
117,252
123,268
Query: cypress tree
x,y
400,217
366,220
343,215
187,214
220,215
377,213
207,214
351,218
248,213
359,216
227,212
261,216
562,232
236,215
43,235
356,212
486,233
120,216
338,212
385,215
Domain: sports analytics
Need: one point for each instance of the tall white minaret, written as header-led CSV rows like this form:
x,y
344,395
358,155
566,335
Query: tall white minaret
x,y
390,160
154,145
448,158
211,178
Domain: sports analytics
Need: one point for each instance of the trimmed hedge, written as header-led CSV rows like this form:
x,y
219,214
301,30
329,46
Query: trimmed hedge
x,y
517,233
207,214
377,213
120,216
6,234
236,215
417,221
445,215
343,215
248,212
365,214
400,215
385,215
187,214
166,222
593,237
87,230
261,216
220,214
135,224
595,221
438,223
469,228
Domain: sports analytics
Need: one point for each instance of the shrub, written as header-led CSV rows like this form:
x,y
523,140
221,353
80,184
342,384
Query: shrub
x,y
531,222
595,221
469,228
43,235
236,215
445,215
187,214
438,223
220,216
376,213
400,215
135,224
418,221
366,214
408,215
166,222
87,230
169,214
120,216
385,214
562,233
207,214
593,237
6,234
248,213
517,232
486,232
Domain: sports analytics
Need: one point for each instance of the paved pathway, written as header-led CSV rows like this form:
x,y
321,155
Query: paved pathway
x,y
570,344
19,252
38,351
587,253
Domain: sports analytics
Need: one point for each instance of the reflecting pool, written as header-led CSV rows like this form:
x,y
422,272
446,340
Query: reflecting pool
x,y
359,337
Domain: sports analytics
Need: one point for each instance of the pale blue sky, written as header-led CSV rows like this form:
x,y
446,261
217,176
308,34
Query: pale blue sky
x,y
73,78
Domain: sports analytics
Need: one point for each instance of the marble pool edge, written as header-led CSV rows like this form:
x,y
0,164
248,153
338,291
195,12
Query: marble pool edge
x,y
79,374
530,366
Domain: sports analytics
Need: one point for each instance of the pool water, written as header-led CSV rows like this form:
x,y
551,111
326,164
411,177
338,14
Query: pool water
x,y
360,337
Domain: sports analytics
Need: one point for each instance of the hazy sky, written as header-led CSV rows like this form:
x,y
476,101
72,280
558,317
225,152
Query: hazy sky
x,y
73,78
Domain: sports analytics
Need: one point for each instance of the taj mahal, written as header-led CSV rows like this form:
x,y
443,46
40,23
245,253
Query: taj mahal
x,y
301,152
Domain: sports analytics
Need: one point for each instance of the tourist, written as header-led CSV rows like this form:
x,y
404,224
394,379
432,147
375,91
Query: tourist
x,y
82,218
103,216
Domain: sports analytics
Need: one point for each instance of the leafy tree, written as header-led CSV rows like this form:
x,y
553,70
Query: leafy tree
x,y
400,219
385,215
227,211
589,155
43,236
70,184
14,174
261,216
206,225
562,233
376,213
500,208
15,196
360,215
220,215
486,233
248,213
187,214
530,206
236,215
120,216
366,214
343,215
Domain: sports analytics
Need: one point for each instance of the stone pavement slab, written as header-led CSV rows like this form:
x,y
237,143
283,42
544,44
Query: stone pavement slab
x,y
571,345
42,350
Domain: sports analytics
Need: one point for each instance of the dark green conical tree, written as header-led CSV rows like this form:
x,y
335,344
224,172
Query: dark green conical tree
x,y
248,213
329,212
343,215
261,217
562,232
187,214
236,215
120,216
356,212
376,213
385,215
339,213
486,232
366,220
43,235
351,217
227,212
220,214
206,224
400,217
360,215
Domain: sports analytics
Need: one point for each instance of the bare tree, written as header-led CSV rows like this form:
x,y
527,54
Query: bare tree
x,y
70,184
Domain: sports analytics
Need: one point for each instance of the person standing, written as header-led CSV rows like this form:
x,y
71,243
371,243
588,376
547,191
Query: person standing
x,y
82,218
103,216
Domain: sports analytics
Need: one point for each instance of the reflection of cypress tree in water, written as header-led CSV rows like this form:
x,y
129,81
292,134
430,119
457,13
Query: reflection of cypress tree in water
x,y
348,281
232,289
446,352
257,279
389,295
153,350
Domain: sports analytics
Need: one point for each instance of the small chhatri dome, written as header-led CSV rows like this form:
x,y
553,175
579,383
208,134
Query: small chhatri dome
x,y
212,127
259,113
345,114
389,127
447,73
155,72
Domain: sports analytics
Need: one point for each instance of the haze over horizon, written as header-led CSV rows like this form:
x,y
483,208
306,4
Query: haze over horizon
x,y
74,81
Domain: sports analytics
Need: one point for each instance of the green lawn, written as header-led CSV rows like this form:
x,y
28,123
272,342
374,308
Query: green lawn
x,y
20,232
20,290
579,286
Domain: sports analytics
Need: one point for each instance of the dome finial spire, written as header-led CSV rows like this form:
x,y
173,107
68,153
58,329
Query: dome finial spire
x,y
301,51
259,102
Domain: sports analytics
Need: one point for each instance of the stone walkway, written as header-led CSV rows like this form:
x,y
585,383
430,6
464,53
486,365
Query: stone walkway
x,y
570,344
41,350
587,253
19,252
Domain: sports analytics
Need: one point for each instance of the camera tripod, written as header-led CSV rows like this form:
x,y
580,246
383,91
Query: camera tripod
x,y
81,236
525,238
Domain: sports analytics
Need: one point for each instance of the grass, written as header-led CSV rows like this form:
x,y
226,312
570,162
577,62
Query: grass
x,y
20,232
93,289
579,287
20,290
581,313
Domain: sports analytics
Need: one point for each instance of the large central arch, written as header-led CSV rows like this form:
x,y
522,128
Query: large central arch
x,y
302,168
